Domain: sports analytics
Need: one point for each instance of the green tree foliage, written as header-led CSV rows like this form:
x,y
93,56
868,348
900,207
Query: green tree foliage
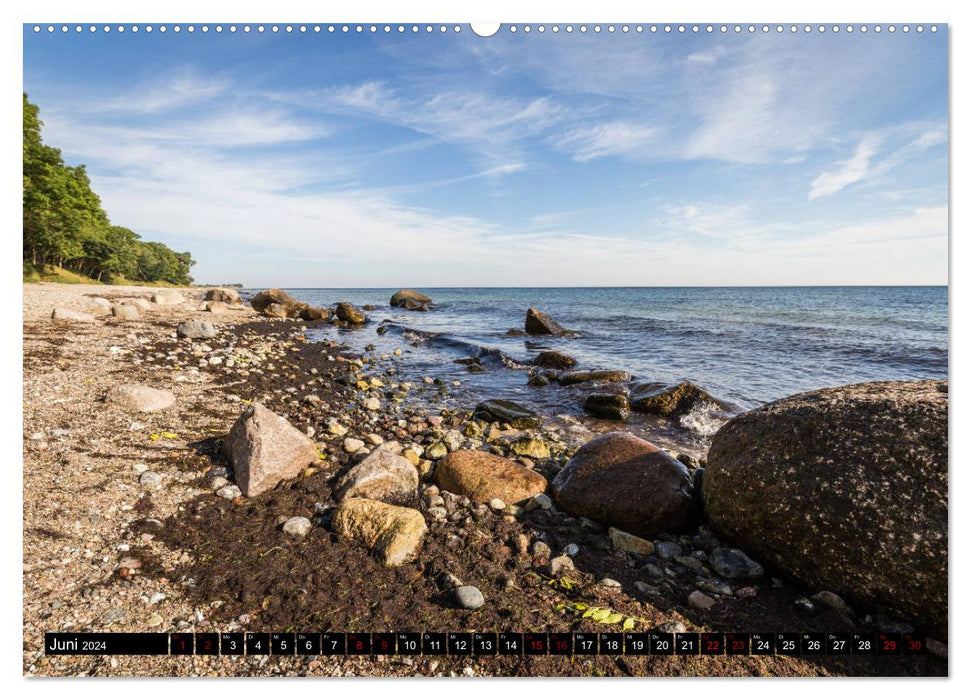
x,y
65,225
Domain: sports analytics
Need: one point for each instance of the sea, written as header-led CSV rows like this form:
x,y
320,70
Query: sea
x,y
744,345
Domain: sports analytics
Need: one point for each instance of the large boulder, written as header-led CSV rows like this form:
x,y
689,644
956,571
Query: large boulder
x,y
61,314
140,302
393,533
265,449
502,411
382,475
411,300
141,398
196,330
349,313
625,482
845,489
538,323
583,376
167,297
483,476
673,400
272,296
275,310
552,359
226,296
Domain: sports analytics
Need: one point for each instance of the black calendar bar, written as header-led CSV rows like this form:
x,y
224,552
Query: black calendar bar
x,y
483,644
106,643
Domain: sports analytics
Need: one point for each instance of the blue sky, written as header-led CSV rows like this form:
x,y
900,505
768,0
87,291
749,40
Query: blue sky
x,y
541,159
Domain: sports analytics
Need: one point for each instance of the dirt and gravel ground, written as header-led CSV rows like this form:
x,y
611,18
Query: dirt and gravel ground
x,y
102,552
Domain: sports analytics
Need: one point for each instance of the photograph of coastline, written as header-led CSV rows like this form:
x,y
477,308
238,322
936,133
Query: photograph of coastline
x,y
598,330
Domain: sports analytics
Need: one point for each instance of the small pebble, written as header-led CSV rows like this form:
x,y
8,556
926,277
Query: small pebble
x,y
469,597
298,526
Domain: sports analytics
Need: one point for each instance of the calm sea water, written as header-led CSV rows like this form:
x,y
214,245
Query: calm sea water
x,y
744,345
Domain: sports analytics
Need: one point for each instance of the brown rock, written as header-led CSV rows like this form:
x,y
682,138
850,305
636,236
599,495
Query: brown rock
x,y
621,480
275,311
538,323
551,359
846,489
272,296
138,397
265,449
226,296
662,400
483,476
349,313
125,312
393,533
314,313
380,476
410,299
607,376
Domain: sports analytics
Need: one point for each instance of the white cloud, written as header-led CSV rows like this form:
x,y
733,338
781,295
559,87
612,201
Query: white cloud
x,y
847,172
613,138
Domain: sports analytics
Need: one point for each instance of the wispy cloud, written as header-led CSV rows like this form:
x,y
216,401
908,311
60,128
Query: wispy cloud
x,y
613,138
846,173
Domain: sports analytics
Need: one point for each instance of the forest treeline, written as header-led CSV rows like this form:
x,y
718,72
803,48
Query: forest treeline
x,y
65,225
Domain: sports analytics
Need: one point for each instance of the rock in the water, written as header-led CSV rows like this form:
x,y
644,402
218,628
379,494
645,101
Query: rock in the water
x,y
469,597
845,489
349,313
607,376
272,296
674,400
627,542
538,323
393,533
483,476
734,564
265,449
620,480
412,300
168,297
501,411
138,397
314,313
551,359
60,314
298,526
196,330
226,296
382,475
125,312
610,406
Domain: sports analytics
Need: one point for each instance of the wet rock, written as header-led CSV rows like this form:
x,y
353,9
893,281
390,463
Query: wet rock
x,y
620,480
125,312
469,597
226,296
626,542
60,314
483,476
582,376
551,359
674,400
382,475
314,313
264,299
410,299
734,564
297,526
141,398
501,411
609,406
393,533
349,313
849,488
265,449
196,330
538,323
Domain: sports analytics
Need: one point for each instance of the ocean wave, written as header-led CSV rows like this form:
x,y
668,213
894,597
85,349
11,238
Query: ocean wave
x,y
704,418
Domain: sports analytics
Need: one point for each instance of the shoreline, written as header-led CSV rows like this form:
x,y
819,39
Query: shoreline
x,y
88,509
